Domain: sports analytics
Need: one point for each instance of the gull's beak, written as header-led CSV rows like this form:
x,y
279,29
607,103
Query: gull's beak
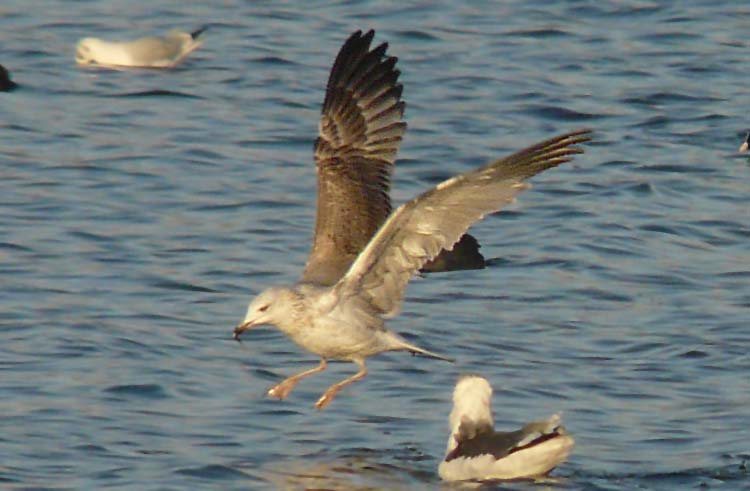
x,y
242,328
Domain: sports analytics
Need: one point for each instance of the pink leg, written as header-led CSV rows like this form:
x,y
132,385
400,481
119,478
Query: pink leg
x,y
328,396
283,389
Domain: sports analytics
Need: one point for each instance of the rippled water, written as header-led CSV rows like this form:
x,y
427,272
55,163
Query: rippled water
x,y
142,209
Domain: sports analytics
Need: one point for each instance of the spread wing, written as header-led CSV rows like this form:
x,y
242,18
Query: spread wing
x,y
419,229
361,129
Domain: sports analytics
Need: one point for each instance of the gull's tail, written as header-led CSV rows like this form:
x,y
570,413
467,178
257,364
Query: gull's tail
x,y
416,350
390,341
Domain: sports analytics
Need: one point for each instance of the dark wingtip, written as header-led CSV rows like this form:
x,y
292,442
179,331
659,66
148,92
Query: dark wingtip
x,y
6,84
582,135
357,36
198,32
463,256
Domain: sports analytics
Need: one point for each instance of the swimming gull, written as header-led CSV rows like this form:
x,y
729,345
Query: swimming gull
x,y
148,52
6,84
345,321
360,131
477,452
746,143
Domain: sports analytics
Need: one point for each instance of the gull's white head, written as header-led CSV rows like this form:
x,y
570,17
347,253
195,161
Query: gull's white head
x,y
267,308
472,400
182,39
186,42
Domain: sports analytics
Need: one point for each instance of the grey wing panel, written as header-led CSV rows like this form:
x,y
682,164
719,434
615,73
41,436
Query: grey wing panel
x,y
419,229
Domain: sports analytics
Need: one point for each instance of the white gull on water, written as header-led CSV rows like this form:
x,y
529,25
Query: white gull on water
x,y
339,315
148,52
477,452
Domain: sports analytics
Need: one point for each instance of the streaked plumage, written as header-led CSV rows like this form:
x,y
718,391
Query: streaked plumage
x,y
360,131
148,52
477,452
345,320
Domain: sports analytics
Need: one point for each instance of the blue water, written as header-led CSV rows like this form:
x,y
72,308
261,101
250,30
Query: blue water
x,y
142,209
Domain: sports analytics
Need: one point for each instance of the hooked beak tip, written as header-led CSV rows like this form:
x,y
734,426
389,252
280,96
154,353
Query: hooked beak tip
x,y
240,329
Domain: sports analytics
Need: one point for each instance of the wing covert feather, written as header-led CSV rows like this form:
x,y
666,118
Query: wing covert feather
x,y
419,229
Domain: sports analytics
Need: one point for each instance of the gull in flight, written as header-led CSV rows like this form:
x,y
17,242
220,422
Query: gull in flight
x,y
148,52
477,452
338,308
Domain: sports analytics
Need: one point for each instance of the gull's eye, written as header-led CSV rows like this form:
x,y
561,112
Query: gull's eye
x,y
264,308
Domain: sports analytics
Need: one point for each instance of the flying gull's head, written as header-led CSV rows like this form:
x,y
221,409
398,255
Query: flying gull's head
x,y
269,307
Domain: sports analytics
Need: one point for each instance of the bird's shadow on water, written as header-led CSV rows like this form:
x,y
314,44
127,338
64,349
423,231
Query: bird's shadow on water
x,y
369,470
354,469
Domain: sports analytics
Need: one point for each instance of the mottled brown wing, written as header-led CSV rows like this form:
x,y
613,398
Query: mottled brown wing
x,y
360,131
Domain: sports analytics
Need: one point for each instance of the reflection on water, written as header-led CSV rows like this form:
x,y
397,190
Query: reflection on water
x,y
350,474
364,473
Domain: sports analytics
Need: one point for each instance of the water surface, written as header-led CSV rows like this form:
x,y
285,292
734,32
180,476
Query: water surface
x,y
142,209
